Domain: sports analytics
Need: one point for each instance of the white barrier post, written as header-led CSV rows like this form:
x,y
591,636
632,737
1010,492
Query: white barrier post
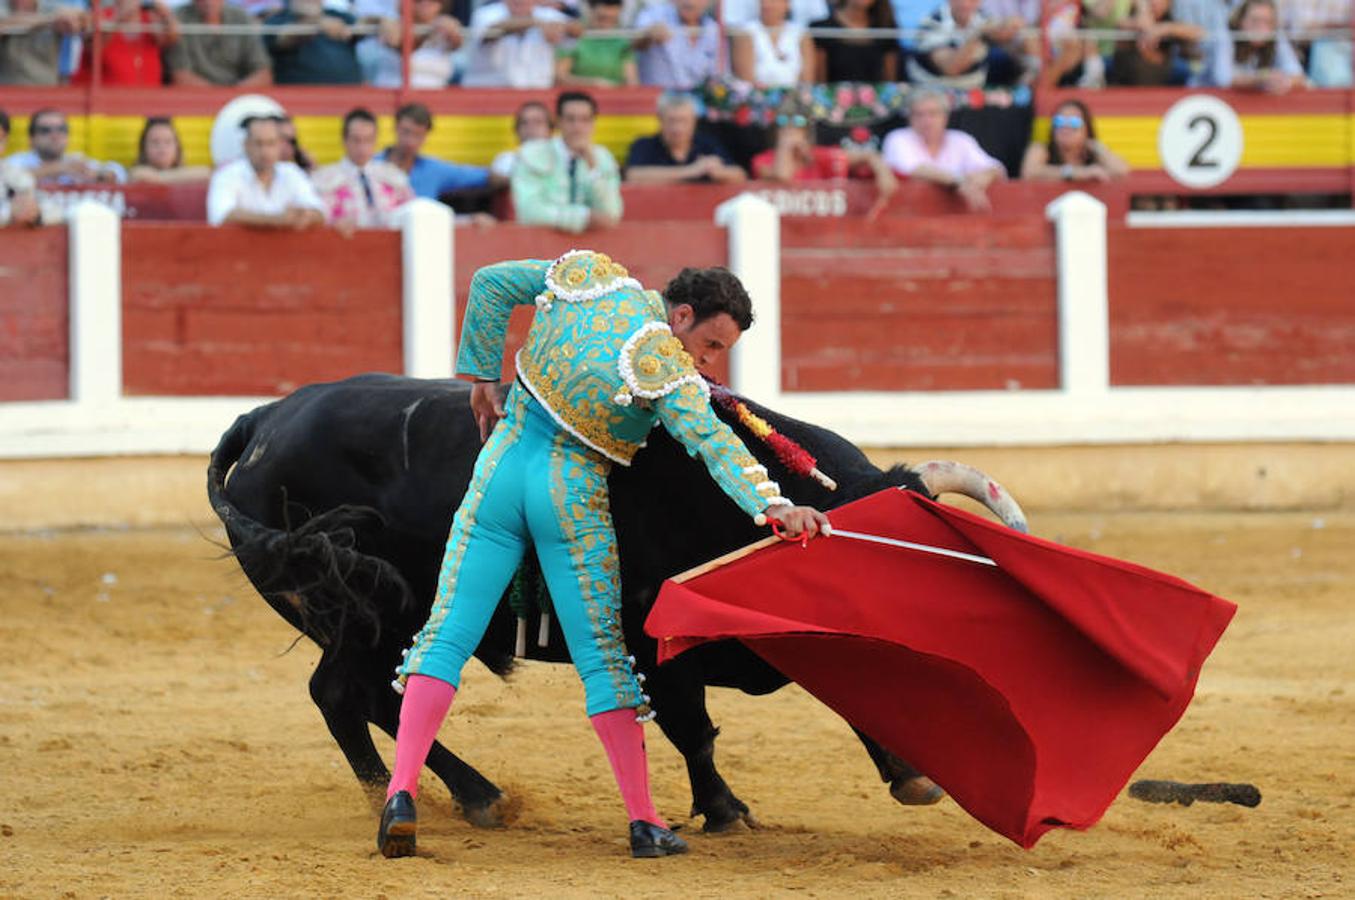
x,y
427,253
755,257
1084,319
95,272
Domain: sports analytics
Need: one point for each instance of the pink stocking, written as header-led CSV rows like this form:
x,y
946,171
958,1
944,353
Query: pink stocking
x,y
624,740
425,706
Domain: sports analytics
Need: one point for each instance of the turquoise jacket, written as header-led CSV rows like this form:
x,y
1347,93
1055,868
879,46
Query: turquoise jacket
x,y
601,359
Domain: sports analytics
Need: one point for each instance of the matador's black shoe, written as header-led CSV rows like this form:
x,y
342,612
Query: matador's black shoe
x,y
648,840
396,837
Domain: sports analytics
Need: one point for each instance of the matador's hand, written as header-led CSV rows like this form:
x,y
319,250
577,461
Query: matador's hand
x,y
485,405
799,519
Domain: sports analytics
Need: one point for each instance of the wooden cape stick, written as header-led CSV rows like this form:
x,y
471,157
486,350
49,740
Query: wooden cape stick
x,y
721,561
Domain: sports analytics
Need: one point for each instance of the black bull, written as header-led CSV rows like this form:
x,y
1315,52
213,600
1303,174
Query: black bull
x,y
338,507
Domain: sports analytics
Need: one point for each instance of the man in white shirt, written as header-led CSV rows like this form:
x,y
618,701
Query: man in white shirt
x,y
259,190
360,191
513,44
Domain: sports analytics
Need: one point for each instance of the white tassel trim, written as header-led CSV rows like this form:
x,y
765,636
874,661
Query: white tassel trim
x,y
627,371
571,295
755,471
761,518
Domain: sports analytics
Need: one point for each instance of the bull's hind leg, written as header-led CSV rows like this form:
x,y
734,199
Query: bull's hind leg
x,y
906,784
680,698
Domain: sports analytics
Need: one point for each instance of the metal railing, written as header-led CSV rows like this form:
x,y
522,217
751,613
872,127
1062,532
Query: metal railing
x,y
371,28
410,32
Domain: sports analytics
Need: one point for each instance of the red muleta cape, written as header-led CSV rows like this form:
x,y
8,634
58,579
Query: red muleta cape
x,y
1030,691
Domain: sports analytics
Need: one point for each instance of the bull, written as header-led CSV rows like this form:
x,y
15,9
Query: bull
x,y
337,501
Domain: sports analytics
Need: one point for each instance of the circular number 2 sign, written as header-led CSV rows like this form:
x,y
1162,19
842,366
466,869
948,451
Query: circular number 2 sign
x,y
1200,141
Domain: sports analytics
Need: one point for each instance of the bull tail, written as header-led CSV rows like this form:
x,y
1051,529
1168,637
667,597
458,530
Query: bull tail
x,y
313,574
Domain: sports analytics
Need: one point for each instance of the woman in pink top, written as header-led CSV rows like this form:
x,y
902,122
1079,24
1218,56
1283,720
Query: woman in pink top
x,y
928,151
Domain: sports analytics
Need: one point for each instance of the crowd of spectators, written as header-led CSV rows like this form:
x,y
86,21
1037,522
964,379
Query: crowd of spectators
x,y
677,44
556,175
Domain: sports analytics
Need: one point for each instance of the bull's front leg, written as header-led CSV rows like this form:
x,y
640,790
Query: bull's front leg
x,y
679,697
906,784
339,701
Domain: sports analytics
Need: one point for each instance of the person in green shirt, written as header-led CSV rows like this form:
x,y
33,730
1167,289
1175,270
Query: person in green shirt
x,y
598,60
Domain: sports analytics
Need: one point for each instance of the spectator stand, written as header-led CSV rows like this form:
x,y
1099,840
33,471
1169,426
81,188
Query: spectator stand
x,y
470,126
1299,143
742,116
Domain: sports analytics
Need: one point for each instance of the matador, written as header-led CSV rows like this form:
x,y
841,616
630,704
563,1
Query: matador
x,y
604,362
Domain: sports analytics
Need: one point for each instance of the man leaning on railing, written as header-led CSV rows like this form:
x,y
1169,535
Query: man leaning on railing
x,y
30,41
261,191
324,55
233,58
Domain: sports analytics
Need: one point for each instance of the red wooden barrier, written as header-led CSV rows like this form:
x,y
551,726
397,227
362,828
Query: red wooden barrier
x,y
210,311
697,202
1220,306
940,303
953,303
34,323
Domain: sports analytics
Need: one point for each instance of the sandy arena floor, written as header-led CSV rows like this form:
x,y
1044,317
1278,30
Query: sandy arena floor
x,y
156,740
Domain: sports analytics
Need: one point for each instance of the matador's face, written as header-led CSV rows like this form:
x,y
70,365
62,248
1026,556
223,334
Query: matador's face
x,y
706,340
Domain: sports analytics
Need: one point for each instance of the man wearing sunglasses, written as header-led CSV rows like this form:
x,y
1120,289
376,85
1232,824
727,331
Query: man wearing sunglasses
x,y
49,136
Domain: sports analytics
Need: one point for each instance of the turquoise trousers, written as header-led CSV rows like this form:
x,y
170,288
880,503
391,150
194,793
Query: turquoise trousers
x,y
534,485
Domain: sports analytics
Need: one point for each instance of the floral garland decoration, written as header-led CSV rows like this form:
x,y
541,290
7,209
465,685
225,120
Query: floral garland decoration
x,y
842,103
790,454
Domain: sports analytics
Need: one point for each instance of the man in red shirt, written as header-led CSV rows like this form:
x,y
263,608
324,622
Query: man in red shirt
x,y
131,58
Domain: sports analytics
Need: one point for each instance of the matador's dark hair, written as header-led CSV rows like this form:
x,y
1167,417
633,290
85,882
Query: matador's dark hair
x,y
710,292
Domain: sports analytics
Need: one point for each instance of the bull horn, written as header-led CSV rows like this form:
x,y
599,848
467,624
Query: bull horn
x,y
945,476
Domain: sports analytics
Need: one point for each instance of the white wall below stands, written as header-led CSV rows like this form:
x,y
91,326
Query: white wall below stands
x,y
98,420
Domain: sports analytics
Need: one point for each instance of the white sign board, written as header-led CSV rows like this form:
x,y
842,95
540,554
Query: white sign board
x,y
1200,141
